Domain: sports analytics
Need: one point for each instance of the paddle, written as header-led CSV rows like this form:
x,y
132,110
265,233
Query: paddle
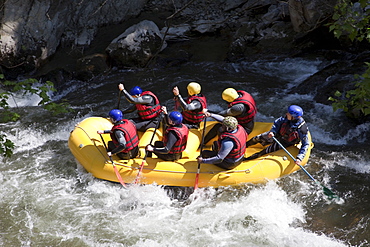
x,y
119,98
201,150
146,152
327,191
114,166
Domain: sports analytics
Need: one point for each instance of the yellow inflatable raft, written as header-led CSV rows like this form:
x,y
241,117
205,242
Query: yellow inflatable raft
x,y
88,148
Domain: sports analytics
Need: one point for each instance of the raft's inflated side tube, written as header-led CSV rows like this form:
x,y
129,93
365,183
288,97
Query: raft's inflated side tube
x,y
192,144
84,141
146,137
87,147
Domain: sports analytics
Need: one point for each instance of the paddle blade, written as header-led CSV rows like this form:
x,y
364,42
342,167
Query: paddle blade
x,y
119,176
196,181
330,194
200,153
139,172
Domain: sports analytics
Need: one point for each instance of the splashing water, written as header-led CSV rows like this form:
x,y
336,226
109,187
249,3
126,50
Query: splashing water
x,y
50,200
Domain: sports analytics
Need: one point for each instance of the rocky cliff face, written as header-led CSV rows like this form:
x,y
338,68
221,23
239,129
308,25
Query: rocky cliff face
x,y
32,32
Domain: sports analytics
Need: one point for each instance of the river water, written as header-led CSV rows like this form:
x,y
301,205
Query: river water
x,y
47,199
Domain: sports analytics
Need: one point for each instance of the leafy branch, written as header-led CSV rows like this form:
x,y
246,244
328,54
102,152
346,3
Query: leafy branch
x,y
357,99
28,86
352,20
6,146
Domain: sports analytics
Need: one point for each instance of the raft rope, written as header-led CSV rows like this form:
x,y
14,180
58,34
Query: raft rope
x,y
156,170
93,142
250,168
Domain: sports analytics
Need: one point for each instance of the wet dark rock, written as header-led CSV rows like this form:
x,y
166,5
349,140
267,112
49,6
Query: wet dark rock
x,y
60,40
336,76
137,45
91,66
59,77
39,28
173,57
325,82
306,15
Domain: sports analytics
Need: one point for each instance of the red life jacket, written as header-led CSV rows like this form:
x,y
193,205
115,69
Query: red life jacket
x,y
290,133
129,129
182,134
146,111
195,116
239,138
248,100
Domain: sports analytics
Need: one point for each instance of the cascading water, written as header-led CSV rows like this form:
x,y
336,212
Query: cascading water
x,y
49,200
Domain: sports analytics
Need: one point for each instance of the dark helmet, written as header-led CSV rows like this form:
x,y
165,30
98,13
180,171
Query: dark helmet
x,y
230,123
176,117
115,115
295,111
136,90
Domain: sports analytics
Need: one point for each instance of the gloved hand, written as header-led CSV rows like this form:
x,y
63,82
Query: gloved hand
x,y
149,148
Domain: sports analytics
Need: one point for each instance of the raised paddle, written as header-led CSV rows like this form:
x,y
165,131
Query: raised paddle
x,y
146,152
201,150
119,98
114,166
327,191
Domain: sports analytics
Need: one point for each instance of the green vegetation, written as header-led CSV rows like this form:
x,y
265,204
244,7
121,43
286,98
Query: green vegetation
x,y
352,20
27,86
6,146
356,102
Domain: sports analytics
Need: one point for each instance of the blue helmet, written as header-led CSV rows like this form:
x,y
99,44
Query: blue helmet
x,y
136,90
295,111
176,117
115,115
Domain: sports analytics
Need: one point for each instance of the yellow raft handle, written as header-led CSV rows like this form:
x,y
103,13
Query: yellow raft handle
x,y
224,175
227,174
